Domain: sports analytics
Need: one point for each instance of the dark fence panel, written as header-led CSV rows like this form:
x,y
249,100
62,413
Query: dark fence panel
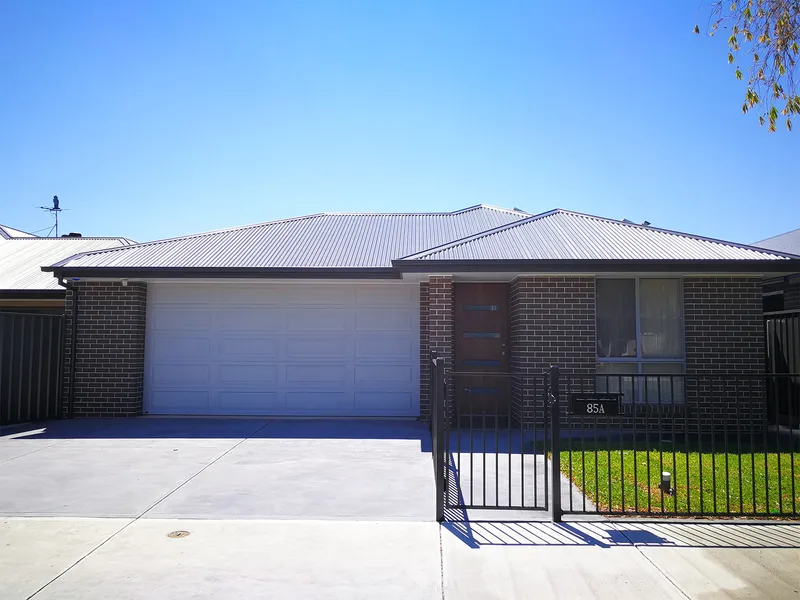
x,y
782,336
30,367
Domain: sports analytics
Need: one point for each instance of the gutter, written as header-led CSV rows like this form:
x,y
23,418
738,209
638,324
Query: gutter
x,y
226,272
597,266
73,349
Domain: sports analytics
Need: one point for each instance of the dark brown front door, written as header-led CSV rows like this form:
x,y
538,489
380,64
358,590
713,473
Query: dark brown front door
x,y
481,346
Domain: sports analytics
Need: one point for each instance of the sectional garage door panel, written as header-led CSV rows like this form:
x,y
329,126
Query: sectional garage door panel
x,y
283,349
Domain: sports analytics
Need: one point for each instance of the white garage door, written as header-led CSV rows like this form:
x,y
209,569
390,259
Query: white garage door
x,y
282,349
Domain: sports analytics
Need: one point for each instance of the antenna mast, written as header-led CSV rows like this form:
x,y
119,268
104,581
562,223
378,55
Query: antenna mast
x,y
54,210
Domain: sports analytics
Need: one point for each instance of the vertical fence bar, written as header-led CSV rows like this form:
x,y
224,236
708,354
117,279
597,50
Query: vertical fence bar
x,y
713,450
738,442
569,423
483,461
790,385
522,452
647,445
673,408
535,442
725,414
621,451
437,404
556,450
752,443
508,440
634,407
660,438
766,458
778,455
545,433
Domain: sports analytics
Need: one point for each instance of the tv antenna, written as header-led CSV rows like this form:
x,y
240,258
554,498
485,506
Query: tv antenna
x,y
53,210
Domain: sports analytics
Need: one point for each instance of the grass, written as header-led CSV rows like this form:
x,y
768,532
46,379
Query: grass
x,y
770,481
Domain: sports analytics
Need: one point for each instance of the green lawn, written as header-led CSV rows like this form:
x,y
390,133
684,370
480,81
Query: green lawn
x,y
632,486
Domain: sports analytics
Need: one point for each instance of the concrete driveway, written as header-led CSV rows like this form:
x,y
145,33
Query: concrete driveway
x,y
219,469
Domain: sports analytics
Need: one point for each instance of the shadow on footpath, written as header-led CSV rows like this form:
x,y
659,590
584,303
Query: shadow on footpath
x,y
608,534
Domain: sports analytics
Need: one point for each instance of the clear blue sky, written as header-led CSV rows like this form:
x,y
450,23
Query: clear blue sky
x,y
161,118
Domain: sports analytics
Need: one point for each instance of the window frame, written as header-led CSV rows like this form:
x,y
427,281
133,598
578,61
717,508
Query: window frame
x,y
639,360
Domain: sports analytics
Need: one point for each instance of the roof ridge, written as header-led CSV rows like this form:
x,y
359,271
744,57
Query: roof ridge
x,y
679,233
475,236
424,214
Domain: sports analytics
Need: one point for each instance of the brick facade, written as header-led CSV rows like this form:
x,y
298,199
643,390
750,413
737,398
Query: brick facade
x,y
424,358
437,312
723,320
552,323
109,365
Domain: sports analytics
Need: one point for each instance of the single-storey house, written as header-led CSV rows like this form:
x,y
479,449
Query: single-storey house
x,y
23,285
335,314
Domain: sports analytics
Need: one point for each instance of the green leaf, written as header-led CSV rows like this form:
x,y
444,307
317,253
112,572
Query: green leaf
x,y
738,74
730,57
697,29
761,121
789,124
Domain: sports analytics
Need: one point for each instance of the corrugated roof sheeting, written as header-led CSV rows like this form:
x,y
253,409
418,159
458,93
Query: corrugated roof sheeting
x,y
564,235
9,232
22,259
316,241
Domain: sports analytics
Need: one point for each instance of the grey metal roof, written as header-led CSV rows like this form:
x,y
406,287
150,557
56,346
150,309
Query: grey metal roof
x,y
7,232
786,242
328,240
566,235
22,259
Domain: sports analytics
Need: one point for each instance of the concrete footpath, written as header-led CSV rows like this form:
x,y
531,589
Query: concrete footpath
x,y
92,558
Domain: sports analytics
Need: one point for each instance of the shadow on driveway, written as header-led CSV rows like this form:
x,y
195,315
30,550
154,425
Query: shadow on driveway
x,y
222,428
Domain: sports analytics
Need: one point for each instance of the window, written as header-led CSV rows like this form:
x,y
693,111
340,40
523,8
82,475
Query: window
x,y
640,332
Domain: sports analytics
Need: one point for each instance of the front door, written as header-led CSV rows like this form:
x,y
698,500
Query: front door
x,y
481,347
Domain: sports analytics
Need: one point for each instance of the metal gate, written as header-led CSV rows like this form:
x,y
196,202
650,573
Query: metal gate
x,y
485,458
618,445
30,367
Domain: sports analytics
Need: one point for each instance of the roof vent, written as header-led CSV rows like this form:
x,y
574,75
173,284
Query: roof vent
x,y
646,223
72,234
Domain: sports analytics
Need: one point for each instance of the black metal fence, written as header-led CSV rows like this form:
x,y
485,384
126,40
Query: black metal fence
x,y
681,446
618,445
30,367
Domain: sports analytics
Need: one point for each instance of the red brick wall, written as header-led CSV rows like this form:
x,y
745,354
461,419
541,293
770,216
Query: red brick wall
x,y
552,323
109,365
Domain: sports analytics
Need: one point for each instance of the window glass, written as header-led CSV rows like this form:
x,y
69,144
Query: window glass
x,y
661,325
616,317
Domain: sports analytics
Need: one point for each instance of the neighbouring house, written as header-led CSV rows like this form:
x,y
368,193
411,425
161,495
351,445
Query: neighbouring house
x,y
335,314
782,292
23,285
32,321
